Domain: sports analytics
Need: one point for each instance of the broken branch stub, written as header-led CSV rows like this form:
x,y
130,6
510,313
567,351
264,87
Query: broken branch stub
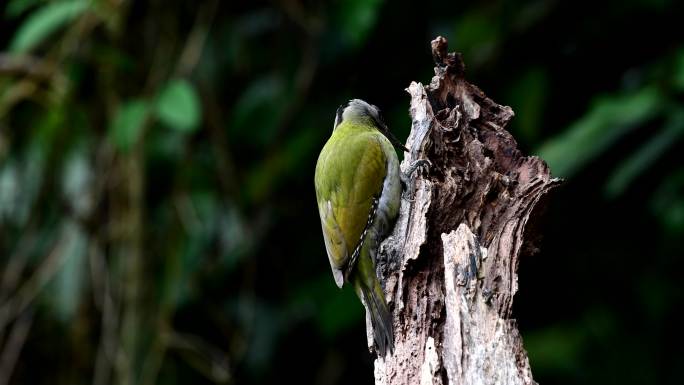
x,y
449,268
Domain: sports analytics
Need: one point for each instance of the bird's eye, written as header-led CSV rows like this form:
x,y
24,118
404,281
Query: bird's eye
x,y
338,114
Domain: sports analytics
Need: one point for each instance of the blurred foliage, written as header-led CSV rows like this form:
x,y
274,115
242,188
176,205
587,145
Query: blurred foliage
x,y
157,216
126,125
178,106
44,21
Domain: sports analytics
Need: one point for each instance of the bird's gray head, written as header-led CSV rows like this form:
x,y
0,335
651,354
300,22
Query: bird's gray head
x,y
357,109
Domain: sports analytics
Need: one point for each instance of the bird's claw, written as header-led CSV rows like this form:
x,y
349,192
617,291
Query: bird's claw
x,y
408,178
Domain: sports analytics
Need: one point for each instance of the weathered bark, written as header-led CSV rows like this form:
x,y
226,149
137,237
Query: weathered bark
x,y
450,266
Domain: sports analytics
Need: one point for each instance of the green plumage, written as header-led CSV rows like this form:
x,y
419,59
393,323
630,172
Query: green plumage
x,y
358,194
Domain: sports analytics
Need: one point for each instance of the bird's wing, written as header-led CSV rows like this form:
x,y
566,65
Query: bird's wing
x,y
335,244
355,169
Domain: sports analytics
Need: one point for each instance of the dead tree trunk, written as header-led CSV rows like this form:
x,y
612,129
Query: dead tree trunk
x,y
450,267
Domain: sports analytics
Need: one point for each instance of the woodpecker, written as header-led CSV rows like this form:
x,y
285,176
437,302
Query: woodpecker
x,y
358,190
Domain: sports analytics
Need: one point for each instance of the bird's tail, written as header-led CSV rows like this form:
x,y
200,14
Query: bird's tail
x,y
369,290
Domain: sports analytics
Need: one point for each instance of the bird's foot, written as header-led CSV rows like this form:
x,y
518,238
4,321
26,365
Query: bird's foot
x,y
408,178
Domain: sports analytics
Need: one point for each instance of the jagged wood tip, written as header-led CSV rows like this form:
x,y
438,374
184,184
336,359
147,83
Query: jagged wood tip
x,y
471,218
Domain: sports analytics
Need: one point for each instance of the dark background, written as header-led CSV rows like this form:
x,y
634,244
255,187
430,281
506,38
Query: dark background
x,y
157,214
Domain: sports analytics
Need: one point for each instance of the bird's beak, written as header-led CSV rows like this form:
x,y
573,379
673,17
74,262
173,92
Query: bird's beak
x,y
393,139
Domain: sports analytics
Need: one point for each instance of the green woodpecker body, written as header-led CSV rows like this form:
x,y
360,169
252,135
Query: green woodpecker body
x,y
358,190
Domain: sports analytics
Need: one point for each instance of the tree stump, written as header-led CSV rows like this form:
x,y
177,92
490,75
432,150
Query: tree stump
x,y
449,268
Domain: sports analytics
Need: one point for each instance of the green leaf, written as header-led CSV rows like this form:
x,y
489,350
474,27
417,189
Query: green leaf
x,y
178,106
607,120
127,124
17,7
646,155
44,21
